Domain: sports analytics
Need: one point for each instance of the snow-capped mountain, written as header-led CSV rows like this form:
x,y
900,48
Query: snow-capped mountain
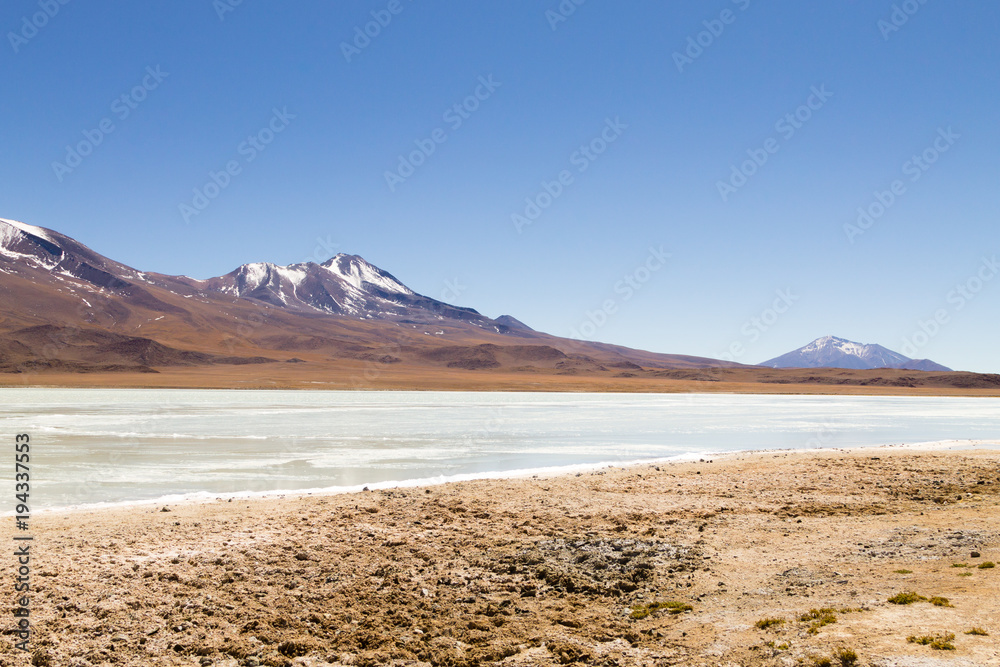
x,y
46,256
833,352
24,247
65,307
343,285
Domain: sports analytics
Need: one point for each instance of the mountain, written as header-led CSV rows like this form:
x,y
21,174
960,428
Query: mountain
x,y
513,323
343,285
833,352
72,317
64,307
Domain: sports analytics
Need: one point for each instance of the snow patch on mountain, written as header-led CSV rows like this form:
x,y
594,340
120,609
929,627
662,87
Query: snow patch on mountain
x,y
833,352
254,275
357,272
13,233
344,285
294,273
31,229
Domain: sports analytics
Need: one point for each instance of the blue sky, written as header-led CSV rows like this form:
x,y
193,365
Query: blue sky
x,y
643,110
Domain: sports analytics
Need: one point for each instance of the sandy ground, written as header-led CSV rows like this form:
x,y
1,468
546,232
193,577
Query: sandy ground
x,y
349,375
543,571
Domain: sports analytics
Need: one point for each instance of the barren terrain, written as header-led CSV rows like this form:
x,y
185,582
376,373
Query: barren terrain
x,y
668,564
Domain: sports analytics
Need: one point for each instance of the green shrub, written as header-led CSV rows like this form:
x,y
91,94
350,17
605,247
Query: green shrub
x,y
938,643
847,657
641,611
817,618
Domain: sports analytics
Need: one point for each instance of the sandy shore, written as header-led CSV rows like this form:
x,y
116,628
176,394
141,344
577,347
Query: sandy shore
x,y
347,375
558,570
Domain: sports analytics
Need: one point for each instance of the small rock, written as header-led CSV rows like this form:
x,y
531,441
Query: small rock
x,y
165,509
41,658
974,554
205,662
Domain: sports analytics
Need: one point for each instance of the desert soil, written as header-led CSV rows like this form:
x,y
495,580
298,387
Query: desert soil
x,y
574,569
356,375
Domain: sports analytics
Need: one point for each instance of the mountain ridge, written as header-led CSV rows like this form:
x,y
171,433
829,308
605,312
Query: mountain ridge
x,y
341,311
72,317
834,352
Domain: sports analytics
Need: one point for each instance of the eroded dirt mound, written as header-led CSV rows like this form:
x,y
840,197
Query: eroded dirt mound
x,y
597,566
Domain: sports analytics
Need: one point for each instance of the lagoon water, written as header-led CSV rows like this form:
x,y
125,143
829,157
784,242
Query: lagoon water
x,y
117,446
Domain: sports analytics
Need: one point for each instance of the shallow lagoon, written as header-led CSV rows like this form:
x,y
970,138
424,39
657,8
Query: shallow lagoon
x,y
114,446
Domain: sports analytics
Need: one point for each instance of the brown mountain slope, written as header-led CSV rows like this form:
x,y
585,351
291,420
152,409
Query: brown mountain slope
x,y
64,306
70,316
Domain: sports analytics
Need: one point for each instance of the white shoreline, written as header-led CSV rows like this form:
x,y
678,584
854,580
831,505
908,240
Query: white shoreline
x,y
206,497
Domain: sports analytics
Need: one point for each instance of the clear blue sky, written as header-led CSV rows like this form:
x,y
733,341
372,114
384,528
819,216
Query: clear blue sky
x,y
678,124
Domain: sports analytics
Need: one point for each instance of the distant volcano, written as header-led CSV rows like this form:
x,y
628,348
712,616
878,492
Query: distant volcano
x,y
833,352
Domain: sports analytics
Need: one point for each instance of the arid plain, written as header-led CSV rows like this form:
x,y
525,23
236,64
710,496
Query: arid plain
x,y
769,558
